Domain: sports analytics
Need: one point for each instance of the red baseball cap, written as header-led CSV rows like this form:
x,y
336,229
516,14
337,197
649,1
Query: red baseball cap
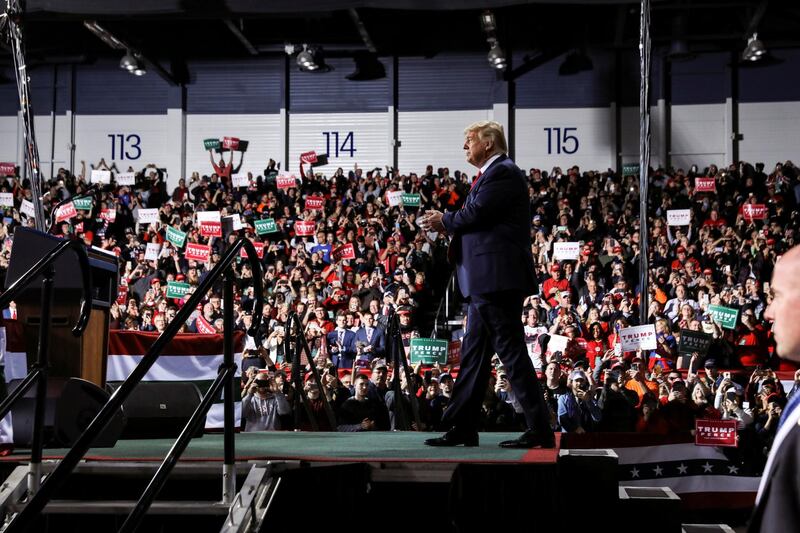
x,y
555,268
680,250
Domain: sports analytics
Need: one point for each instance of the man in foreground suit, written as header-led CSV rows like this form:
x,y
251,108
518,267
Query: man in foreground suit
x,y
491,249
778,501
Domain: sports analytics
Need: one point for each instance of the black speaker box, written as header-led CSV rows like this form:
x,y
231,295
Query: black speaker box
x,y
71,404
156,409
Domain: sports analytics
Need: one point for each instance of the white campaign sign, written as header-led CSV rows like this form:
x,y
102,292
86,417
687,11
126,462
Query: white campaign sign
x,y
100,176
6,199
394,198
151,254
26,208
126,178
240,180
679,217
636,337
566,251
208,216
148,216
557,343
237,221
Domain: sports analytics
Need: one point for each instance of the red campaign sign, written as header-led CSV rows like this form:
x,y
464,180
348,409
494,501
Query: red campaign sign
x,y
314,202
211,229
345,251
705,184
66,212
122,294
230,143
109,215
79,227
259,246
715,433
197,252
304,228
454,353
754,211
286,182
7,169
203,326
309,157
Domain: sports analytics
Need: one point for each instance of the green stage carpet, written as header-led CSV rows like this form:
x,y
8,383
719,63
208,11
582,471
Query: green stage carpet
x,y
345,447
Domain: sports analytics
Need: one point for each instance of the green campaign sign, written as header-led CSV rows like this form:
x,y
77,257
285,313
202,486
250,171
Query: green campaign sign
x,y
694,341
177,289
266,225
726,316
83,203
411,200
429,351
176,237
630,169
211,144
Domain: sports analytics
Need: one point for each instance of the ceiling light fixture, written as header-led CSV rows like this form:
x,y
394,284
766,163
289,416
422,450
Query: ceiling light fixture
x,y
754,50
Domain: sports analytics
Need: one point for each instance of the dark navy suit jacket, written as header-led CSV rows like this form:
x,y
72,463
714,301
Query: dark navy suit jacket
x,y
378,340
344,359
491,244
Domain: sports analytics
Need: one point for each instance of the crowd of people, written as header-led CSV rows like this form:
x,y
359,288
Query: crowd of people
x,y
724,256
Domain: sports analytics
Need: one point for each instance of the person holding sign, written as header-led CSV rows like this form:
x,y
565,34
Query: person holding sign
x,y
225,170
778,500
491,248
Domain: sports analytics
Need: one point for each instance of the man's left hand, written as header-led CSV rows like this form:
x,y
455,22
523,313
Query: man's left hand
x,y
433,222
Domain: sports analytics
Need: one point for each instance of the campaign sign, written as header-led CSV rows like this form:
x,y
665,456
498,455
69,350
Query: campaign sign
x,y
725,316
208,216
454,353
126,178
636,337
203,326
314,202
345,251
7,169
211,144
230,143
26,208
557,343
754,211
240,180
79,228
210,225
6,199
309,157
151,253
259,246
568,251
630,169
715,433
304,228
236,221
177,289
176,237
109,215
100,176
122,294
66,212
679,217
148,216
429,351
265,226
705,185
286,181
694,341
394,198
197,252
83,203
411,200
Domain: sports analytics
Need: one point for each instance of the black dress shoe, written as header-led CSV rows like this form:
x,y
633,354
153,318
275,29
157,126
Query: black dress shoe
x,y
530,439
455,438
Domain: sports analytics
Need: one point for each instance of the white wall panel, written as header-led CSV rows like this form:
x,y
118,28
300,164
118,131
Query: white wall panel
x,y
698,135
9,139
262,131
370,139
629,119
144,140
538,145
770,132
53,137
435,138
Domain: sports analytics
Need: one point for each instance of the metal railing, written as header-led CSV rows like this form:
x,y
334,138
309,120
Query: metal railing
x,y
223,382
397,357
446,305
39,370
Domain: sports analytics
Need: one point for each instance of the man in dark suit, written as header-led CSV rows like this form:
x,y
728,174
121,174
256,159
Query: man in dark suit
x,y
778,501
341,343
491,248
370,337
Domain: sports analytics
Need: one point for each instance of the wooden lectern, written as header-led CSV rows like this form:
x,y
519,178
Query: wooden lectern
x,y
82,357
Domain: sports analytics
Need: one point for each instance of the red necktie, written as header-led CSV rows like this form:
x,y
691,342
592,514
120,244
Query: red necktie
x,y
476,180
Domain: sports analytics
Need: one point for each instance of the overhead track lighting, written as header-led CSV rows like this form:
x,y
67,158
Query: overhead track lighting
x,y
754,50
128,62
496,56
310,59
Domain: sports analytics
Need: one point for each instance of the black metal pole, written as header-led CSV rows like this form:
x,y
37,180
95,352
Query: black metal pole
x,y
160,477
303,345
228,469
21,389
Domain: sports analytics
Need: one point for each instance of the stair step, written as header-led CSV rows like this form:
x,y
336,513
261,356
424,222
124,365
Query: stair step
x,y
126,506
